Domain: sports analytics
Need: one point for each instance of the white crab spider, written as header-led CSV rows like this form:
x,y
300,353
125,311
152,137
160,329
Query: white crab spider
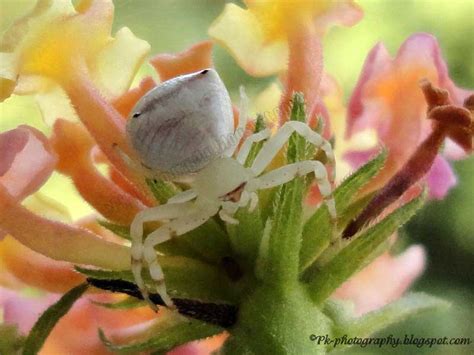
x,y
171,128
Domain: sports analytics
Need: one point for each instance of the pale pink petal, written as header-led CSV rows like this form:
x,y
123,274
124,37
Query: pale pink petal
x,y
424,48
389,100
26,161
341,13
202,347
452,151
23,311
358,119
440,178
358,158
76,333
383,281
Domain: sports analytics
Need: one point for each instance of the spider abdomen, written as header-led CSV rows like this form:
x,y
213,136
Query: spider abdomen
x,y
183,124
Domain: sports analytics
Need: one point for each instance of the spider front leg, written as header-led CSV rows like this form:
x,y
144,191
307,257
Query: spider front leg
x,y
162,212
289,172
191,216
271,148
247,145
229,208
240,130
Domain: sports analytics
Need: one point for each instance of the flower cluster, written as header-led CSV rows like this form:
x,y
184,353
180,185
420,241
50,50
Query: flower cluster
x,y
64,55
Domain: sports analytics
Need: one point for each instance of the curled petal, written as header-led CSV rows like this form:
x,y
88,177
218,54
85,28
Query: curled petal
x,y
384,280
195,58
57,240
26,162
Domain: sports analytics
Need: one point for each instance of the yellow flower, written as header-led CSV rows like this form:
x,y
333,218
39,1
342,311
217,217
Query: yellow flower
x,y
258,36
64,54
44,48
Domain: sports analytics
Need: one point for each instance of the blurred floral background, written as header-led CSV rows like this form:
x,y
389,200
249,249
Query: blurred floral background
x,y
445,228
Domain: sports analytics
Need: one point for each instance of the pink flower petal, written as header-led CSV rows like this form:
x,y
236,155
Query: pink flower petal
x,y
26,161
383,281
357,118
21,310
342,13
388,98
440,178
359,158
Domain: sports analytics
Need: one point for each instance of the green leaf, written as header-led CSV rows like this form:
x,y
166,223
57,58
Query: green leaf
x,y
184,277
351,185
359,252
285,236
209,241
10,339
409,306
317,231
259,126
246,235
190,245
328,251
169,331
162,190
117,229
127,303
46,322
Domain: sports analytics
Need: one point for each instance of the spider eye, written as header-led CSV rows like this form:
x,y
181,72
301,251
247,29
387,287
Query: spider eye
x,y
204,71
136,114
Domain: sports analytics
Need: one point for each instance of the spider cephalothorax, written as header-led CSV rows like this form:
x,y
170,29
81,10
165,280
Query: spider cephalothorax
x,y
190,117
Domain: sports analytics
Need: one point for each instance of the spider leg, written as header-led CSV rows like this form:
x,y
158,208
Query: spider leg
x,y
136,231
271,148
227,211
184,196
253,201
198,215
240,130
247,145
133,164
227,217
289,172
